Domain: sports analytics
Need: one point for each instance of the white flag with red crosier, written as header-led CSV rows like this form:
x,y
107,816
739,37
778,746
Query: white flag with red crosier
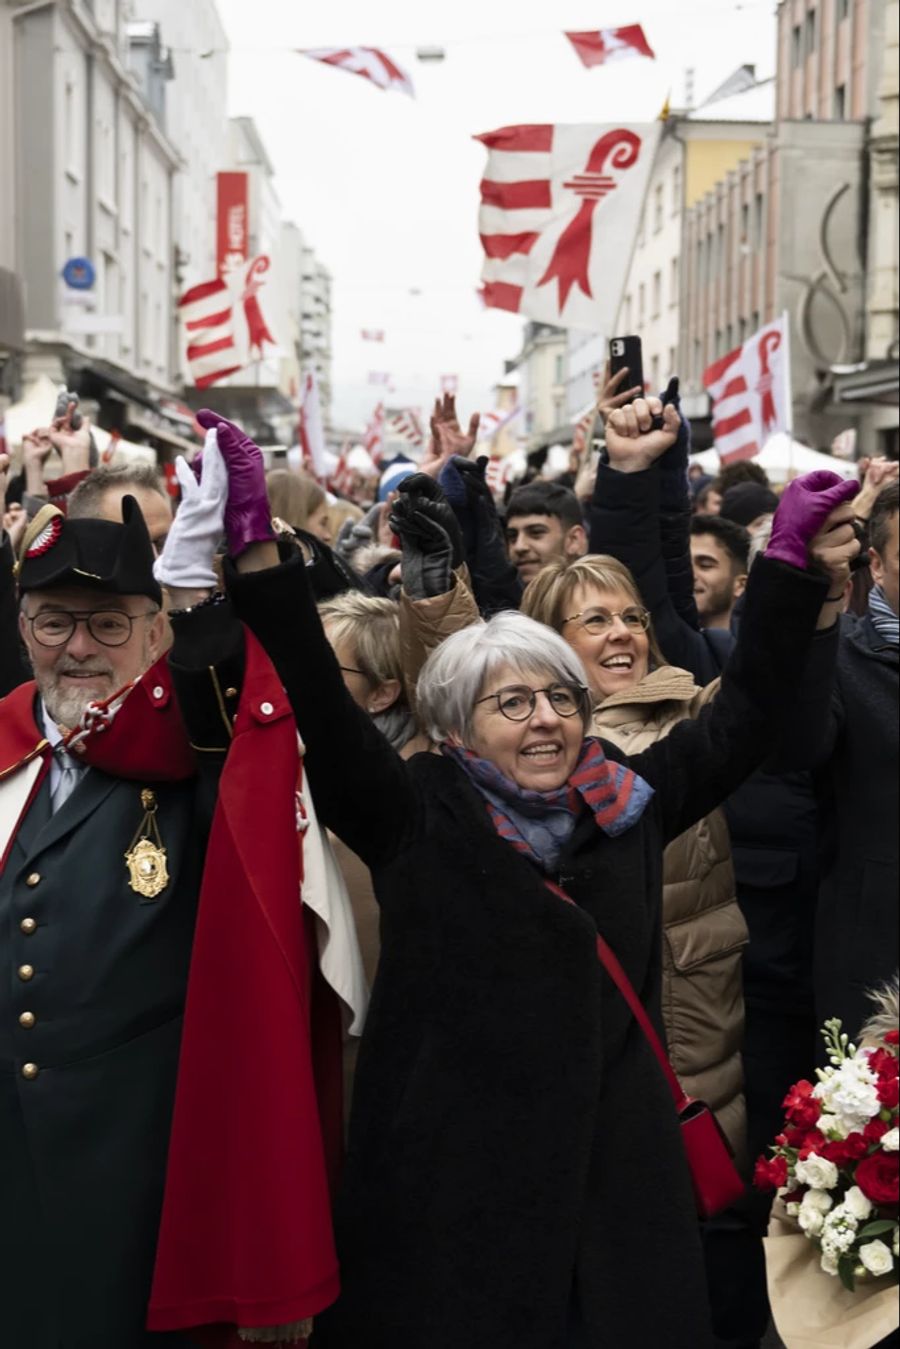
x,y
208,311
750,390
370,62
600,45
406,425
559,213
311,430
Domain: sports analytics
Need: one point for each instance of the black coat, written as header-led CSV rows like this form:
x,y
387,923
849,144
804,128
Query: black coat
x,y
83,1145
512,1143
643,519
858,758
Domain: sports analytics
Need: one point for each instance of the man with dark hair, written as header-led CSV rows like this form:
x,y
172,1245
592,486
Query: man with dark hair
x,y
719,555
858,755
749,504
543,522
100,496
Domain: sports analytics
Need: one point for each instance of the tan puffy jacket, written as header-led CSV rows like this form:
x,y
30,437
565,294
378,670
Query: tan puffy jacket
x,y
704,930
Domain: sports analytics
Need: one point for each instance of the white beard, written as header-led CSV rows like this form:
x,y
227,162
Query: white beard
x,y
67,709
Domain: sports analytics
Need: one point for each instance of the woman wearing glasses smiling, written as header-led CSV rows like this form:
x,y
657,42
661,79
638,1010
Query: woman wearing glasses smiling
x,y
638,699
515,1176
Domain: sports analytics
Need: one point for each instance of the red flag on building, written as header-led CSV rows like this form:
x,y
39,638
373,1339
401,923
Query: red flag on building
x,y
370,62
557,203
206,312
611,44
751,393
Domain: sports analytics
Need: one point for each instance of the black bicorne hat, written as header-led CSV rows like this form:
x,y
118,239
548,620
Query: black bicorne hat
x,y
96,554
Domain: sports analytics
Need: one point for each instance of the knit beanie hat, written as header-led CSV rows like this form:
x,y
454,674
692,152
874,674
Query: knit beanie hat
x,y
744,502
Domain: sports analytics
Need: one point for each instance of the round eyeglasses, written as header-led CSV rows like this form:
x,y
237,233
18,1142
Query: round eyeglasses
x,y
109,627
635,619
517,702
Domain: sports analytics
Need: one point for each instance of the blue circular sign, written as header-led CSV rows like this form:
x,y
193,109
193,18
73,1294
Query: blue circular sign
x,y
79,273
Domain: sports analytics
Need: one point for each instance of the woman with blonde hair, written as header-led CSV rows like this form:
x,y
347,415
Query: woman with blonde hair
x,y
299,501
595,604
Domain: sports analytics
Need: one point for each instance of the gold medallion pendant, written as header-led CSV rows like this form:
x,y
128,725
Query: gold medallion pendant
x,y
148,874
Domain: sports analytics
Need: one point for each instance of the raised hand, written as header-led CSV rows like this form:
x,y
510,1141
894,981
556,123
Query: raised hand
x,y
879,473
186,561
632,442
247,515
834,546
447,436
805,506
613,392
70,434
429,536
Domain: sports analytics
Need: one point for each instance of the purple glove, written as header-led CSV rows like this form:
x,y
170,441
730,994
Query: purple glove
x,y
805,505
248,518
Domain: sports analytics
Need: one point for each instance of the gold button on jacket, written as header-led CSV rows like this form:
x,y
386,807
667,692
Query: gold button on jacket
x,y
27,1020
29,1070
26,972
28,925
33,879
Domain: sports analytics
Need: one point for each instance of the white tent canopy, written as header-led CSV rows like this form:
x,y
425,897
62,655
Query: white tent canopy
x,y
37,408
783,458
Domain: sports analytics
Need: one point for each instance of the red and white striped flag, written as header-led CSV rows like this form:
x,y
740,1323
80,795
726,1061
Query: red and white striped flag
x,y
557,204
405,425
341,479
490,423
611,44
370,62
751,393
373,439
312,432
372,334
207,314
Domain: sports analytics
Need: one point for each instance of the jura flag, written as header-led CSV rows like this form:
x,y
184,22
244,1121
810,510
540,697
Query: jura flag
x,y
751,393
312,433
559,213
406,426
370,62
208,317
611,44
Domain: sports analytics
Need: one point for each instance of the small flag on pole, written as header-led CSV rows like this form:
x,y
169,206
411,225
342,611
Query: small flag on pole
x,y
312,432
207,314
369,62
750,389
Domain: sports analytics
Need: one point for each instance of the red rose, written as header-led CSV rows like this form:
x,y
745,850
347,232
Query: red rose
x,y
802,1108
883,1063
878,1177
892,1037
889,1092
875,1130
813,1142
770,1175
846,1150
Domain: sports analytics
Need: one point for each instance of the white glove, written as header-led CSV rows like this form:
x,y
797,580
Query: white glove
x,y
186,561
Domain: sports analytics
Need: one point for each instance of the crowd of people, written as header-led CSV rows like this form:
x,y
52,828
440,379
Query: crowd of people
x,y
473,732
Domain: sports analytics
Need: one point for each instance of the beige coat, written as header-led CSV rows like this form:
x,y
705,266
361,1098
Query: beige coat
x,y
704,930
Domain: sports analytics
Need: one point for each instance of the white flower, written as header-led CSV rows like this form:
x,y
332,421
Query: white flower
x,y
839,1230
811,1221
831,1127
817,1199
849,1092
876,1257
856,1203
817,1172
792,1209
829,1262
891,1140
895,1241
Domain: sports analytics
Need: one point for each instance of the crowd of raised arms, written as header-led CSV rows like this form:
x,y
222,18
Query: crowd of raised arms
x,y
418,904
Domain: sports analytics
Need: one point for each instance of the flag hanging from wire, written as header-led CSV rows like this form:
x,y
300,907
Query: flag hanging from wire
x,y
611,44
559,213
372,334
750,389
369,62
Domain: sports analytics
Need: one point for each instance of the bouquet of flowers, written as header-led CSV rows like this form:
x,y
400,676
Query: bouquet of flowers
x,y
836,1165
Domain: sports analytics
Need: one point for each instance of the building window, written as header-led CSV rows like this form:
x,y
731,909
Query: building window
x,y
654,373
758,214
840,103
657,208
673,283
843,9
796,46
676,190
672,363
559,377
626,315
697,369
755,320
642,230
657,294
642,303
745,223
810,32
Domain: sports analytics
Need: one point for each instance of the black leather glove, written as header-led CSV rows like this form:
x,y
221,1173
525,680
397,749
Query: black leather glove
x,y
429,537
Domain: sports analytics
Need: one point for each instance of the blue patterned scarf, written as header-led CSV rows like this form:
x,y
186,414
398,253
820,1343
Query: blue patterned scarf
x,y
884,620
540,824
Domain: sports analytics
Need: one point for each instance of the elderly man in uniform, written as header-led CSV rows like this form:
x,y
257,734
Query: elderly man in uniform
x,y
116,818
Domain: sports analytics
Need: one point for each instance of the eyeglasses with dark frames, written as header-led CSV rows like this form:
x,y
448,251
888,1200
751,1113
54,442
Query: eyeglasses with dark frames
x,y
635,618
109,627
517,701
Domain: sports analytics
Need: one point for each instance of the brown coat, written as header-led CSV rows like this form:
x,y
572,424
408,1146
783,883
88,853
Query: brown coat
x,y
705,931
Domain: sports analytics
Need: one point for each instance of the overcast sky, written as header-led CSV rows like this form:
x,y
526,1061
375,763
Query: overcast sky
x,y
385,187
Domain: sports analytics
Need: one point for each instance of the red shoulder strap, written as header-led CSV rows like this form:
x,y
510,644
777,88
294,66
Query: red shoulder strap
x,y
610,962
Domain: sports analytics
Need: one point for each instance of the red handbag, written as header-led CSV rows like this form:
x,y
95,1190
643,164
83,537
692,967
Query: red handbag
x,y
715,1178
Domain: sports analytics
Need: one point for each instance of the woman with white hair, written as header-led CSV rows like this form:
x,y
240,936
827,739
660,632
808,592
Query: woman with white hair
x,y
515,1176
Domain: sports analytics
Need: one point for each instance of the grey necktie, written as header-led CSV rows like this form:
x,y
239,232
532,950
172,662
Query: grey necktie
x,y
70,774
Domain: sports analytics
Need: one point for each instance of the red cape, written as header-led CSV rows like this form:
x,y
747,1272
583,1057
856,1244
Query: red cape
x,y
246,1237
